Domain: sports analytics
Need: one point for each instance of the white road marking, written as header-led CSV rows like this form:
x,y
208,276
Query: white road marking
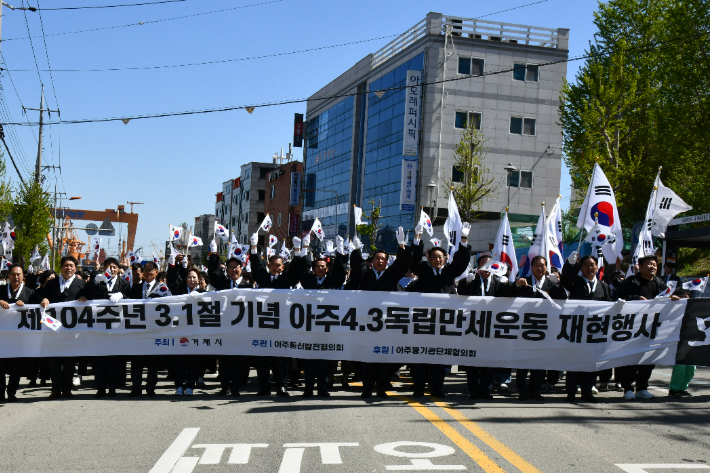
x,y
291,462
419,460
329,452
185,465
642,467
172,455
240,452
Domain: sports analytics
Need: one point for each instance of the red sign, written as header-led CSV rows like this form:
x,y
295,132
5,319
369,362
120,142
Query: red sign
x,y
298,130
293,224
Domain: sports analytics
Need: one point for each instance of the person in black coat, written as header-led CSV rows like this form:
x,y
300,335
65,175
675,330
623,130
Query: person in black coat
x,y
183,280
533,287
378,278
320,278
107,285
669,274
15,292
435,276
585,287
65,288
642,286
482,284
231,367
276,276
148,288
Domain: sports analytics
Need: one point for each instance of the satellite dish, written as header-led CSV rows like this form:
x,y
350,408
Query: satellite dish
x,y
92,229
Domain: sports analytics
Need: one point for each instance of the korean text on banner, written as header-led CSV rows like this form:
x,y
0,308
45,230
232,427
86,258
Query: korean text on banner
x,y
411,113
407,193
295,188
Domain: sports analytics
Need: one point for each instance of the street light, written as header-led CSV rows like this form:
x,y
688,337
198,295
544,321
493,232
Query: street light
x,y
431,186
509,169
74,198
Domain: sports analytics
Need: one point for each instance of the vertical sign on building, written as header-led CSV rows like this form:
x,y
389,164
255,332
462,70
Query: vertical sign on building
x,y
295,188
407,194
411,113
298,131
293,224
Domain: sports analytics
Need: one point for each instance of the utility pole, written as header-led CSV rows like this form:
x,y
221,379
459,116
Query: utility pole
x,y
41,110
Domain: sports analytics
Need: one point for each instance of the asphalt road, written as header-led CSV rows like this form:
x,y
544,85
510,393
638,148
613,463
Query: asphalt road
x,y
209,433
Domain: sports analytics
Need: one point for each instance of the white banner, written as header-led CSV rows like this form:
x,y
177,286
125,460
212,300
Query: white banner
x,y
407,193
411,114
398,327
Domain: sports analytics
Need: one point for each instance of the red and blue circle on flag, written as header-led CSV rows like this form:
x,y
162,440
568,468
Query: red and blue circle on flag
x,y
604,212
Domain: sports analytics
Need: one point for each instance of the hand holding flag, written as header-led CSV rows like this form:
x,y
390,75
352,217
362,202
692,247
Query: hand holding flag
x,y
266,224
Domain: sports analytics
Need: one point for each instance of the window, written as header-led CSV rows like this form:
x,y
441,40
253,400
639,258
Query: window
x,y
471,66
526,72
234,221
457,175
521,179
464,118
263,172
246,196
522,126
273,192
260,216
262,194
278,219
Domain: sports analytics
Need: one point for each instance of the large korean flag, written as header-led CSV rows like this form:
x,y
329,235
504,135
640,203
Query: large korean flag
x,y
600,203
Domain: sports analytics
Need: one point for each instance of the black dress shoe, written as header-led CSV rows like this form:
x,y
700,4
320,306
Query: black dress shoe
x,y
382,394
590,399
282,392
438,393
134,393
223,392
67,395
235,393
308,393
99,394
571,398
11,398
536,397
418,393
111,393
323,394
366,394
54,395
264,393
485,395
150,392
522,397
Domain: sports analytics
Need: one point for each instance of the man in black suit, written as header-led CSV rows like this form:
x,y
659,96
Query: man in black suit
x,y
14,293
149,288
379,277
669,274
275,276
230,366
320,278
435,276
107,285
65,288
533,287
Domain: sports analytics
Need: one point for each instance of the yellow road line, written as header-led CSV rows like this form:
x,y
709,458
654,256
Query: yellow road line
x,y
488,439
483,460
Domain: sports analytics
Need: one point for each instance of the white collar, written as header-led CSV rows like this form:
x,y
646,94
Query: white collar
x,y
593,287
9,290
320,280
274,277
437,272
378,275
64,284
236,282
536,283
148,287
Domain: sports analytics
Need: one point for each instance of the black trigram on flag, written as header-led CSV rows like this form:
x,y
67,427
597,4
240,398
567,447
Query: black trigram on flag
x,y
665,203
559,227
533,240
646,245
506,238
599,251
649,224
602,190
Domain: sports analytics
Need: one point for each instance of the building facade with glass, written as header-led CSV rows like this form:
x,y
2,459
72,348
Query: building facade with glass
x,y
504,79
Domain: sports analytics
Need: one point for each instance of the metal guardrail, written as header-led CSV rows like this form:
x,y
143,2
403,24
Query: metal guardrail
x,y
400,43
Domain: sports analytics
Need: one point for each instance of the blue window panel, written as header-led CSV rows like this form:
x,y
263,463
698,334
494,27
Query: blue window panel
x,y
388,102
395,173
385,114
373,120
400,74
386,81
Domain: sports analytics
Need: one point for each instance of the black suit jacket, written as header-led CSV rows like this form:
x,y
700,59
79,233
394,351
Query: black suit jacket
x,y
287,279
52,293
495,289
100,291
672,277
555,291
443,283
218,279
364,278
137,291
26,295
334,279
578,287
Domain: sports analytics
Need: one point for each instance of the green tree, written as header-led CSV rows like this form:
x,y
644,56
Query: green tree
x,y
33,220
640,101
370,230
475,184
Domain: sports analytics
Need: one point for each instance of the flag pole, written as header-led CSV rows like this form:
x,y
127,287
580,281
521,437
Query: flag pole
x,y
545,241
655,196
586,199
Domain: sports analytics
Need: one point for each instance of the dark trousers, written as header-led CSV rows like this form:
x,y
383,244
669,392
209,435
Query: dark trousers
x,y
277,364
61,372
107,371
186,369
316,371
11,366
230,371
639,373
552,377
478,379
419,372
583,379
137,365
376,372
536,379
604,375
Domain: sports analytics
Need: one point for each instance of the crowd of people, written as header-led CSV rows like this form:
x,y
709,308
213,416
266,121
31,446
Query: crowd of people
x,y
346,267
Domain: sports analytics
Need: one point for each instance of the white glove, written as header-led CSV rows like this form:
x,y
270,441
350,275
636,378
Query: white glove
x,y
99,278
116,297
339,242
357,244
171,260
503,279
573,257
184,262
195,293
418,230
400,236
296,243
329,247
306,241
213,246
554,278
470,277
254,239
465,229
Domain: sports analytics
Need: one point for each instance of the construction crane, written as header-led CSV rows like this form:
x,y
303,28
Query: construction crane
x,y
118,216
134,203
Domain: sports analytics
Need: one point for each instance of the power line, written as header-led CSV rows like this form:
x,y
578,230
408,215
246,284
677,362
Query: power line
x,y
220,61
46,52
141,23
16,93
31,44
116,6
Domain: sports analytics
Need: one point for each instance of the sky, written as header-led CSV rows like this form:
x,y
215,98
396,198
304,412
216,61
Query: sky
x,y
176,165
